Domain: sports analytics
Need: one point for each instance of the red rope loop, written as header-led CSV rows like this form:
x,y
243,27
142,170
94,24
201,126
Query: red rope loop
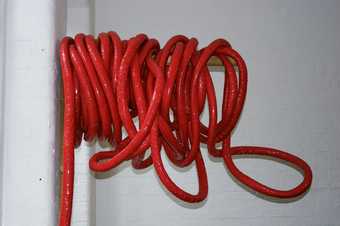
x,y
108,82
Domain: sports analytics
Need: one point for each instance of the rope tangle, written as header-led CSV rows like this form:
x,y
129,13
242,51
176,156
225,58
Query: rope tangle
x,y
108,82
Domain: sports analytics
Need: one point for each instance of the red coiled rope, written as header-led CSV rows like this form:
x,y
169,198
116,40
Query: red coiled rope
x,y
108,82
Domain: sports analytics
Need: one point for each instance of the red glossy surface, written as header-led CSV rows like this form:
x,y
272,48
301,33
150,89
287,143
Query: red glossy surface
x,y
108,82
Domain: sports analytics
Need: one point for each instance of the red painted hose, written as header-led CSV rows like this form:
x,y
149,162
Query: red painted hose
x,y
108,82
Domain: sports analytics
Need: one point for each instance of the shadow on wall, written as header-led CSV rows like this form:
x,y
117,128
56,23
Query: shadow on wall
x,y
116,171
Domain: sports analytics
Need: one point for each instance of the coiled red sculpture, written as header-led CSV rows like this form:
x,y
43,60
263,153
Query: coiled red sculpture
x,y
107,82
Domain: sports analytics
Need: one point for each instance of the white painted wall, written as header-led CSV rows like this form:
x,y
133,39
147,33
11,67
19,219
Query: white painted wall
x,y
292,52
30,111
79,19
2,68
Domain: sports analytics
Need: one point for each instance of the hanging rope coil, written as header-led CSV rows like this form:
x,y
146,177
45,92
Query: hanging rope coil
x,y
108,82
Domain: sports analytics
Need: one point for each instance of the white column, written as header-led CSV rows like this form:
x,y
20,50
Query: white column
x,y
80,19
2,64
31,140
